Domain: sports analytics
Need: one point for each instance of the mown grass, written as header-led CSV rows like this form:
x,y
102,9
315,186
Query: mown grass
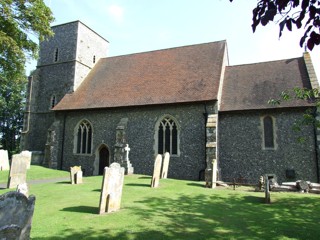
x,y
176,210
36,172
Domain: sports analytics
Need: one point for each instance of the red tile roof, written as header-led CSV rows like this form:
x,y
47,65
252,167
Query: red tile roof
x,y
249,87
176,75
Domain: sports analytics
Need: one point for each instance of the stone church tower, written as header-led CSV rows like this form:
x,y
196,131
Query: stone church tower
x,y
64,62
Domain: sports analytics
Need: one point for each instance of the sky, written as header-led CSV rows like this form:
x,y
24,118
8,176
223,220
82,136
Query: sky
x,y
133,26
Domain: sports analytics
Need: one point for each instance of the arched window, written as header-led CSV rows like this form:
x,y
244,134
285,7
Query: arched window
x,y
268,132
83,138
167,133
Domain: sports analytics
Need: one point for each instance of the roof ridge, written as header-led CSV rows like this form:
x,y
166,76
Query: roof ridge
x,y
263,62
166,49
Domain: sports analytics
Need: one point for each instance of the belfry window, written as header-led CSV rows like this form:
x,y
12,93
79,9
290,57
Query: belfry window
x,y
83,138
268,132
56,55
168,136
53,101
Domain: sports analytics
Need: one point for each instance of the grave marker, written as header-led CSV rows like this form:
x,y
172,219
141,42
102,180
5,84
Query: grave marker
x,y
76,175
18,171
16,211
165,165
156,171
111,190
4,160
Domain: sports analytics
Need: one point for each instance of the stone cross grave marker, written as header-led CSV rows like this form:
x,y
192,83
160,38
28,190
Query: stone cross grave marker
x,y
16,211
111,190
165,165
18,171
127,149
4,160
76,175
156,171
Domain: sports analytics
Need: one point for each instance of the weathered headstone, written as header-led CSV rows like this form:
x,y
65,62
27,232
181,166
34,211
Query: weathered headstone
x,y
269,179
111,190
18,171
165,165
26,155
23,188
16,211
4,160
76,175
156,171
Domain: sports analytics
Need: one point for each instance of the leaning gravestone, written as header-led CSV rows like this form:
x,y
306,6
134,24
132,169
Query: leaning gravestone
x,y
18,171
76,175
156,171
111,190
16,211
165,165
4,160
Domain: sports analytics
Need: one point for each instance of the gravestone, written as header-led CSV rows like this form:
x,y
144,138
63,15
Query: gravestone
x,y
269,179
165,165
18,171
23,188
76,175
16,211
111,190
156,171
26,155
4,160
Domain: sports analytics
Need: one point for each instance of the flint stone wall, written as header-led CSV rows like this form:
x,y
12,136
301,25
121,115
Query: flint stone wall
x,y
141,137
241,153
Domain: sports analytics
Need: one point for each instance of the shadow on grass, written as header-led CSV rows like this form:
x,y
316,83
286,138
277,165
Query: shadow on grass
x,y
212,216
64,182
144,177
96,190
195,184
138,184
82,209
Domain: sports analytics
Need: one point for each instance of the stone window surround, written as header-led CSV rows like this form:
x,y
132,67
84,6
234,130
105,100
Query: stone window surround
x,y
275,145
75,137
156,136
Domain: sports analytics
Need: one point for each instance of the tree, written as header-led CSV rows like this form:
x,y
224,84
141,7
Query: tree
x,y
19,21
289,13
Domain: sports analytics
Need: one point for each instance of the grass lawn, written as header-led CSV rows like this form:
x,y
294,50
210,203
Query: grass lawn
x,y
176,210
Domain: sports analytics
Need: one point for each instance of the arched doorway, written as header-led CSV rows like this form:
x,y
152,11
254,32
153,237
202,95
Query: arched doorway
x,y
103,159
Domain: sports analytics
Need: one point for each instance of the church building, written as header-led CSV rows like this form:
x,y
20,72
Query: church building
x,y
85,108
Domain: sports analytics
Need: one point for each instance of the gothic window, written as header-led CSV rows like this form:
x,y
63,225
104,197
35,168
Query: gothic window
x,y
83,138
56,55
268,132
53,101
167,136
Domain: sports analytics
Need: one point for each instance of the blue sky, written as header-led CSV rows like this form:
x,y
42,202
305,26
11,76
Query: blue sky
x,y
146,25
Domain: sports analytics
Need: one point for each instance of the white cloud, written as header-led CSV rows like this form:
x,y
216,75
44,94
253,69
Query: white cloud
x,y
116,12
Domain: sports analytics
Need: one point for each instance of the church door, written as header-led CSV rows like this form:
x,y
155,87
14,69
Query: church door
x,y
103,159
